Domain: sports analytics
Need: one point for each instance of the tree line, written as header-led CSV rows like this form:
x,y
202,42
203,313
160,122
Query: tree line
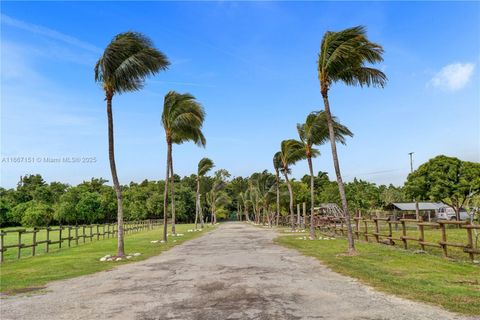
x,y
199,198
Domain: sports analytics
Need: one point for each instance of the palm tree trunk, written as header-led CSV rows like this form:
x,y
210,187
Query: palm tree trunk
x,y
200,211
197,202
312,199
278,196
173,190
290,192
116,184
165,196
341,187
298,215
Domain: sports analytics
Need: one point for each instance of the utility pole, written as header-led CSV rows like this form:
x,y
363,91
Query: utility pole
x,y
417,210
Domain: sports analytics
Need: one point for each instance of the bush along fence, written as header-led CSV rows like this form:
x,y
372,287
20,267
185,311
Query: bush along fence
x,y
381,230
66,236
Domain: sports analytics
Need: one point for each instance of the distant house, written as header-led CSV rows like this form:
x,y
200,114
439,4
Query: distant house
x,y
427,210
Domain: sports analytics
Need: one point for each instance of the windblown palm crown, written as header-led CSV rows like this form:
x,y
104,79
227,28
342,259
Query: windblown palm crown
x,y
127,61
343,57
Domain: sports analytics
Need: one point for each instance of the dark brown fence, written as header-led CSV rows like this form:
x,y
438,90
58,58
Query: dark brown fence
x,y
387,231
67,235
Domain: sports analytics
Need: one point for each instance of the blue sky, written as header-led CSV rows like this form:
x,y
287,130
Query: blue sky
x,y
253,67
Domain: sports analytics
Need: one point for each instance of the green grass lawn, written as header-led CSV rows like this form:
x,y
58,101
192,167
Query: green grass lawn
x,y
454,235
34,272
424,277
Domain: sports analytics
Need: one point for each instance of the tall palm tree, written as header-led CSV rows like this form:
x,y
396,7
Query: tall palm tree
x,y
314,132
123,67
182,119
245,201
216,197
204,166
277,164
343,57
290,152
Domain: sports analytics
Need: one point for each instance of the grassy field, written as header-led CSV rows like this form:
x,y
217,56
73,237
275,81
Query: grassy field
x,y
426,277
34,272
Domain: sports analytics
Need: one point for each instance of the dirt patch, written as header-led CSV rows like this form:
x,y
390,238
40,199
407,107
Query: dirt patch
x,y
23,290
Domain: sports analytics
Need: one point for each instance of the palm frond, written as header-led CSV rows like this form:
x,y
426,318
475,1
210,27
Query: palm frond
x,y
204,165
182,118
344,55
127,61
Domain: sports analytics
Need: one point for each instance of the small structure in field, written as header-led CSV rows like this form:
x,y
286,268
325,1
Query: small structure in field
x,y
406,210
328,209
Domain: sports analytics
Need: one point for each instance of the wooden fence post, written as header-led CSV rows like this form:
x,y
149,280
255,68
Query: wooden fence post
x,y
47,244
444,240
34,240
470,243
60,237
404,233
76,234
377,230
69,235
19,244
422,236
1,245
365,222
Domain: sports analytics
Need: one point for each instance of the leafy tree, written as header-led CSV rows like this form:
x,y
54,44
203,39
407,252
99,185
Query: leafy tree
x,y
18,212
185,200
37,214
66,209
89,207
4,210
314,132
343,58
182,119
362,195
57,189
390,194
43,194
446,179
128,59
204,166
8,200
155,205
330,193
27,186
291,151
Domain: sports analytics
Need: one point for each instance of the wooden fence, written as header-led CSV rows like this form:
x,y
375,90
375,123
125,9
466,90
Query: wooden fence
x,y
380,230
69,235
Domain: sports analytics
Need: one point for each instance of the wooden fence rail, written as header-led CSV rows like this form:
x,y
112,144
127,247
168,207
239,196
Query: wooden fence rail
x,y
70,235
380,230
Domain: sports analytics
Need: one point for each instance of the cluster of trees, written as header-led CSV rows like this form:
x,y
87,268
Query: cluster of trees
x,y
198,198
346,56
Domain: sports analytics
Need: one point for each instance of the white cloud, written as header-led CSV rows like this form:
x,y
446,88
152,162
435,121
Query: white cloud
x,y
49,33
453,77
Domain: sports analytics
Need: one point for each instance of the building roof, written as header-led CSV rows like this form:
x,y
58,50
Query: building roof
x,y
410,206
